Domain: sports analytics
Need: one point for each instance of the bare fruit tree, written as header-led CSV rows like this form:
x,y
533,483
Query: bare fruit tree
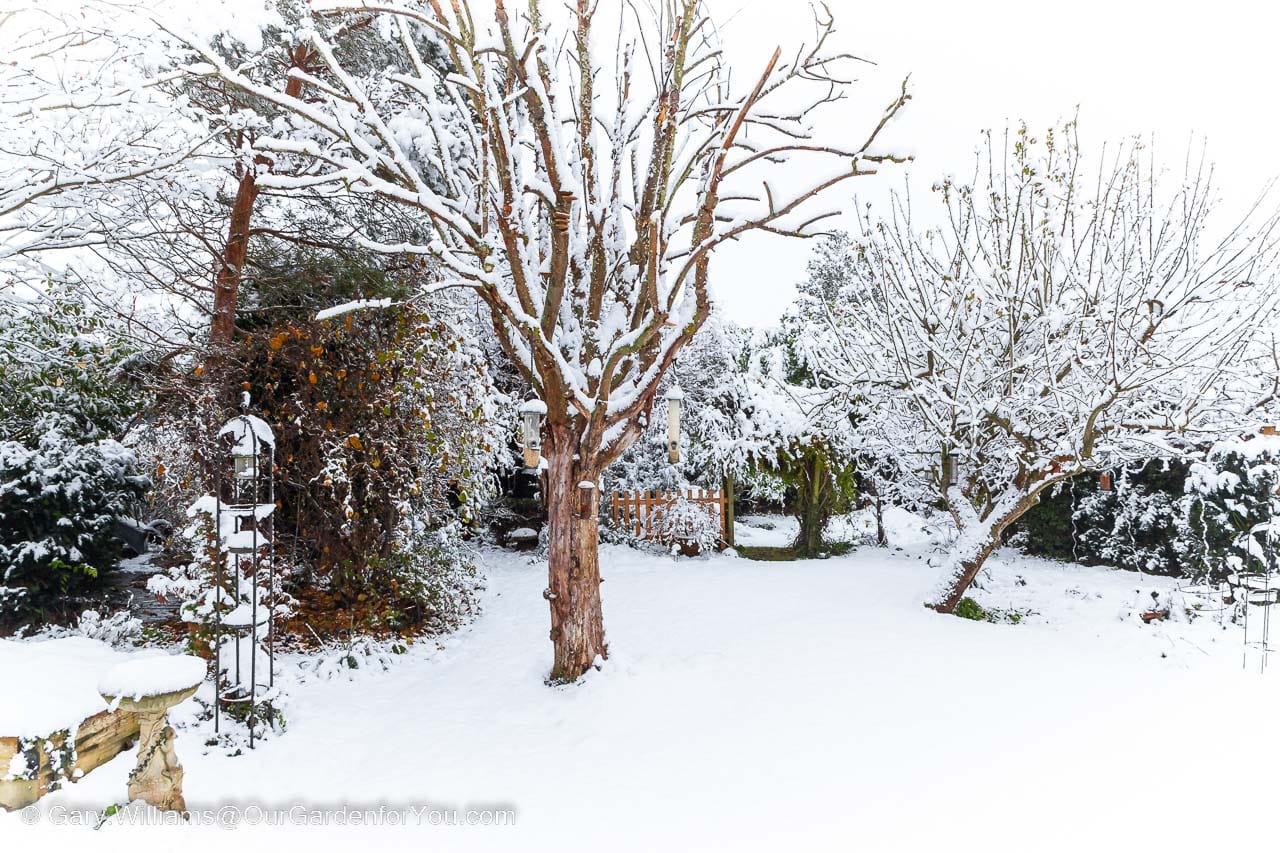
x,y
1059,321
577,175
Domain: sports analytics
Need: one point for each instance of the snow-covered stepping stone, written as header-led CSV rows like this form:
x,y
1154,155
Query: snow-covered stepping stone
x,y
149,687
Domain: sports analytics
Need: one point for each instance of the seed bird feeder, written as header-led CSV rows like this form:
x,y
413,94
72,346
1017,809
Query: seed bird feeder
x,y
532,413
675,399
950,468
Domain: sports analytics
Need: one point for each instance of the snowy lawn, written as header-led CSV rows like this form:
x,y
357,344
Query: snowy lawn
x,y
772,706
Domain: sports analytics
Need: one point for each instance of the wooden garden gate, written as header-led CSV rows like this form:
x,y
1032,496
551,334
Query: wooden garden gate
x,y
639,511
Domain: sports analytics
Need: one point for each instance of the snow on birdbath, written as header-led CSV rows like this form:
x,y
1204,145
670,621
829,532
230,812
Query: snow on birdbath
x,y
149,687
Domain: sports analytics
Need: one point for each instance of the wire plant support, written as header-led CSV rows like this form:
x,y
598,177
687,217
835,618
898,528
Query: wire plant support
x,y
1258,592
243,607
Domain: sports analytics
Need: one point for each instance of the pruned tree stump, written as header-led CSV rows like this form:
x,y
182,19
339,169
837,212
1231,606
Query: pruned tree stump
x,y
157,778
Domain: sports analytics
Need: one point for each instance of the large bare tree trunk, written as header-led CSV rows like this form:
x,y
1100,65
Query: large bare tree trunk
x,y
573,590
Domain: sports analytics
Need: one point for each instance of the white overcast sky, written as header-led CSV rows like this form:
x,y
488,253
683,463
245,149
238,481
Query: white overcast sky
x,y
1162,69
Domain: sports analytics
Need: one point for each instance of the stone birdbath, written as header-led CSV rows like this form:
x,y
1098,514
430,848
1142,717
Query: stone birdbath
x,y
149,687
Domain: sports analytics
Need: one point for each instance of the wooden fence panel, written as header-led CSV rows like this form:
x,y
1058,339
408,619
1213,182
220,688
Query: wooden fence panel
x,y
640,511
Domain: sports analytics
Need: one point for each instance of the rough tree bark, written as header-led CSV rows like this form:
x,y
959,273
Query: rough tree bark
x,y
230,273
226,285
573,557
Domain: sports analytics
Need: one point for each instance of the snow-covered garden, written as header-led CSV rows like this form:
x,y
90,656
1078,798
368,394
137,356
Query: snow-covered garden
x,y
384,458
753,705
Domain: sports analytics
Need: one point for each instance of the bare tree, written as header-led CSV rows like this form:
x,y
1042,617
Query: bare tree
x,y
1054,324
578,176
79,118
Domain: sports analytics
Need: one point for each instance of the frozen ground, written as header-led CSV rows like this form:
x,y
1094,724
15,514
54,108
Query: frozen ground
x,y
771,706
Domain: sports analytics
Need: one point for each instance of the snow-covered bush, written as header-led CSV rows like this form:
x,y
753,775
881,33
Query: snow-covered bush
x,y
387,433
58,505
64,478
688,527
115,629
1140,524
1234,508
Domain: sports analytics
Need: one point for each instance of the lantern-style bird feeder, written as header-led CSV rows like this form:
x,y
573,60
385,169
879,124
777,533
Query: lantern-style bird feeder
x,y
245,463
532,413
1104,482
675,399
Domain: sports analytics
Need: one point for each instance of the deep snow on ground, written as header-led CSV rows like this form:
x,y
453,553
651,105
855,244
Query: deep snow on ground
x,y
773,706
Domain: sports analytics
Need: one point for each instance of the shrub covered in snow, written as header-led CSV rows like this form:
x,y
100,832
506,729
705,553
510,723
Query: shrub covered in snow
x,y
114,629
386,436
64,478
1234,507
687,527
1139,524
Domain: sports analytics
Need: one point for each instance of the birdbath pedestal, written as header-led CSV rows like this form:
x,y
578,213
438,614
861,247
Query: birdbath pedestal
x,y
149,687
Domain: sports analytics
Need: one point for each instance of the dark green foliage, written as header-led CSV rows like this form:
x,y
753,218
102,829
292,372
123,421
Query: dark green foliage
x,y
58,504
970,609
1234,509
1139,525
823,487
1046,529
64,478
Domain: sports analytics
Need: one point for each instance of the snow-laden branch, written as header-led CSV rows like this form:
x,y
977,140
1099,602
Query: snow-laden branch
x,y
584,216
1054,325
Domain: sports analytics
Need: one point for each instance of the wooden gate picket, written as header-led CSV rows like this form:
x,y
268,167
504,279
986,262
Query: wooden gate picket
x,y
637,511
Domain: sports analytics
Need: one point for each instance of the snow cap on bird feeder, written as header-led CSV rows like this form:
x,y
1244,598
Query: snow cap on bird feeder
x,y
675,399
251,437
531,414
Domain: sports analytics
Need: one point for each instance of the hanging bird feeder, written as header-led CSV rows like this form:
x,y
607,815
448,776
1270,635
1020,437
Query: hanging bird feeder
x,y
950,468
532,413
675,399
1104,482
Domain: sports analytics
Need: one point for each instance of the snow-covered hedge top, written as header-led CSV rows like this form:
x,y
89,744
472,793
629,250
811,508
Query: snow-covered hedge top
x,y
1258,447
50,685
152,676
